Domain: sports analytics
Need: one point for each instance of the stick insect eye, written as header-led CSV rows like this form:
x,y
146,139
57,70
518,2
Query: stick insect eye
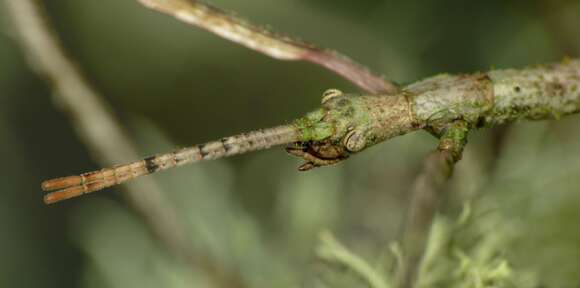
x,y
354,141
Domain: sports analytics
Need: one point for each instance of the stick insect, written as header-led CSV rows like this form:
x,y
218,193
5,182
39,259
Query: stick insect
x,y
323,137
349,123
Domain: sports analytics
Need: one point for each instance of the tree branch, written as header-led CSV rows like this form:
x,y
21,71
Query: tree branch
x,y
269,43
427,192
101,132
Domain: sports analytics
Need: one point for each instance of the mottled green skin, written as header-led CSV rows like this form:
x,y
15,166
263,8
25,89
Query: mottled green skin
x,y
350,123
312,128
543,92
356,121
440,100
500,96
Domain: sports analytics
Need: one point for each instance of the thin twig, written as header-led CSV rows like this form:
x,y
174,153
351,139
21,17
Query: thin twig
x,y
427,192
100,130
269,43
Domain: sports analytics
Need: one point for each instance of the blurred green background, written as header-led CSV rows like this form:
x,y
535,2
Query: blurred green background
x,y
175,85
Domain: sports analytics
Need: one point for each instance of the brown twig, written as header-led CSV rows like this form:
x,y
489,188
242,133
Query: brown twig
x,y
269,43
427,192
101,132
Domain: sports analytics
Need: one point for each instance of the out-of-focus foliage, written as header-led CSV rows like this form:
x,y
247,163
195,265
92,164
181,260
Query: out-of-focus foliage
x,y
173,85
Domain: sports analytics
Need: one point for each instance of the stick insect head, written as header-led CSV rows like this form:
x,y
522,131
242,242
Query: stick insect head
x,y
345,124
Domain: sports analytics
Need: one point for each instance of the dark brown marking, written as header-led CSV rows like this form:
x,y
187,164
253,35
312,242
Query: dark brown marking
x,y
201,151
227,147
150,165
342,102
480,122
